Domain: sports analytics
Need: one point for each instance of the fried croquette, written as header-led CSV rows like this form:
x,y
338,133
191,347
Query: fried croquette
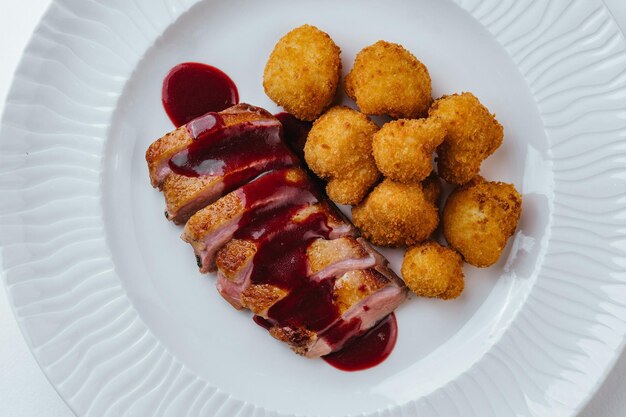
x,y
403,149
388,79
472,135
396,214
432,188
339,149
303,71
432,270
479,218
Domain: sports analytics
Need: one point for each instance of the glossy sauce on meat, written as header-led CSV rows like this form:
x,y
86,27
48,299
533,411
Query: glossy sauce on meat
x,y
192,89
281,260
239,153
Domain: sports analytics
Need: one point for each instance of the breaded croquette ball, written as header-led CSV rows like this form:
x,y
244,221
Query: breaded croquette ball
x,y
432,270
388,79
432,188
302,73
479,218
403,149
396,214
339,149
472,135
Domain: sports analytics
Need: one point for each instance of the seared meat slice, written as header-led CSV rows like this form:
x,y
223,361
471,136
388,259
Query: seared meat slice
x,y
197,163
362,297
309,288
383,293
330,258
162,150
324,257
210,228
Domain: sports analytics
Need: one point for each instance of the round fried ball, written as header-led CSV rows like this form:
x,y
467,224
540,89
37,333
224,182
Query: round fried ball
x,y
479,218
302,73
339,149
388,79
432,270
403,149
396,214
472,135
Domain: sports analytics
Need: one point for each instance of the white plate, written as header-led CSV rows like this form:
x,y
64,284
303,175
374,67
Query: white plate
x,y
109,298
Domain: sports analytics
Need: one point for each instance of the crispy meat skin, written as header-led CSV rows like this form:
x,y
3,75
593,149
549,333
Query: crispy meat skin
x,y
326,259
300,340
185,195
368,295
324,253
210,228
235,255
260,297
355,285
235,259
361,276
161,150
212,217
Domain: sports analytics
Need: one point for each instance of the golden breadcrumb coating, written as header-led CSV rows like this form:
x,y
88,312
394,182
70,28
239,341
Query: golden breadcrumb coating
x,y
339,149
455,288
432,188
396,214
432,270
388,79
303,71
403,149
472,135
479,218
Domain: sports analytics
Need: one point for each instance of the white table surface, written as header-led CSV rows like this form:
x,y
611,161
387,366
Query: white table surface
x,y
24,390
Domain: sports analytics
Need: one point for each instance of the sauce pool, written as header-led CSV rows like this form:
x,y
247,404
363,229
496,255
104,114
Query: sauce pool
x,y
368,350
192,89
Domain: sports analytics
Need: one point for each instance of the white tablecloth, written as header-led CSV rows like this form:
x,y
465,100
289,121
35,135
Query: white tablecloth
x,y
24,390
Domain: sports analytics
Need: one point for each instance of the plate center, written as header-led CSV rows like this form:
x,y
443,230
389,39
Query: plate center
x,y
437,340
